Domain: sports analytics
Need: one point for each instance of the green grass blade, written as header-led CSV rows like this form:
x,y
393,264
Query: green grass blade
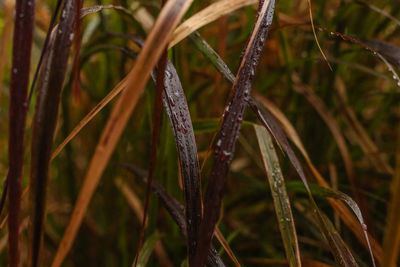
x,y
279,195
147,249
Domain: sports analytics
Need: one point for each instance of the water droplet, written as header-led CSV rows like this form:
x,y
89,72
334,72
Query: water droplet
x,y
271,145
225,155
63,14
183,130
171,101
398,83
364,227
15,70
217,146
21,15
71,36
287,219
59,31
29,3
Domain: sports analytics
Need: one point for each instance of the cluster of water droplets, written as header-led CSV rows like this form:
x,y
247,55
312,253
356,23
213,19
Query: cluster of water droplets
x,y
395,76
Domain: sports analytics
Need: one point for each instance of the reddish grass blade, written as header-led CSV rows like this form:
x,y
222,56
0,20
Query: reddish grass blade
x,y
275,129
175,209
22,44
225,146
3,195
45,120
44,49
178,113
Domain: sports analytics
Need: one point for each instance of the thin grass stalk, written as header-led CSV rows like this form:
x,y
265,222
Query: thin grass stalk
x,y
225,145
45,120
21,59
157,113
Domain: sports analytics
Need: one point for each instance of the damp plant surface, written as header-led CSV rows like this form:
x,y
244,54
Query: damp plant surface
x,y
199,133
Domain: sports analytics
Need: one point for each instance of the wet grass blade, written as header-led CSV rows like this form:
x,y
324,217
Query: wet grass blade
x,y
269,123
225,145
178,112
166,22
279,195
21,59
175,209
348,218
45,120
342,254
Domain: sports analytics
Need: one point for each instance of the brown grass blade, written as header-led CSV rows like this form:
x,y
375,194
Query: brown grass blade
x,y
45,121
136,80
391,240
227,248
175,209
21,59
207,15
225,145
281,200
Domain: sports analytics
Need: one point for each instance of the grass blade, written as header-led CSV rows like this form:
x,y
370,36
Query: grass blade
x,y
136,81
229,132
391,240
147,249
21,59
280,197
44,49
342,210
205,16
178,112
45,121
175,209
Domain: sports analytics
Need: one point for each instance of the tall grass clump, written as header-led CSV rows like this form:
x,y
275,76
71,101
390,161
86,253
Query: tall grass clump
x,y
199,133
